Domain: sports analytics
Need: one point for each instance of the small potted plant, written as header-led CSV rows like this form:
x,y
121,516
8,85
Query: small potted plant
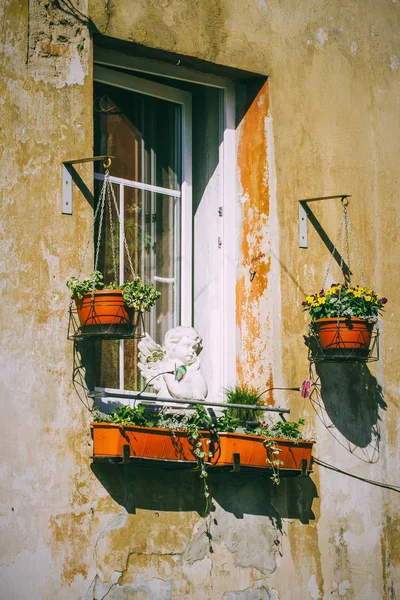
x,y
343,318
109,308
243,394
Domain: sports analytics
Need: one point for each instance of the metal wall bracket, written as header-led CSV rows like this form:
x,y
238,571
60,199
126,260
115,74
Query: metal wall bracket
x,y
67,178
304,212
235,463
126,453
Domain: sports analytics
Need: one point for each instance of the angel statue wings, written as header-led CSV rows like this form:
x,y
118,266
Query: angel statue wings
x,y
174,367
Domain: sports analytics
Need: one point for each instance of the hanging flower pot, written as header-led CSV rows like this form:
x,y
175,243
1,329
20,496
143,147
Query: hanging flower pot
x,y
344,317
343,320
344,334
103,310
111,313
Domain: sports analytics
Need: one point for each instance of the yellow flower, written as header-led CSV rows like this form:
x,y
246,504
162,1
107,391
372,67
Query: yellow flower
x,y
321,300
309,299
332,289
368,298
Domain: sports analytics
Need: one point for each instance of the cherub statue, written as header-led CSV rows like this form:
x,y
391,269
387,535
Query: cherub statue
x,y
175,367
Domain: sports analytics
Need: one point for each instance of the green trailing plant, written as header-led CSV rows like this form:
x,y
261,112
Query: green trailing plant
x,y
227,422
79,288
197,423
136,294
273,460
194,424
139,295
243,394
287,430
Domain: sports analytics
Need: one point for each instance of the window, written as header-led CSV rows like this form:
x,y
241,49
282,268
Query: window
x,y
173,142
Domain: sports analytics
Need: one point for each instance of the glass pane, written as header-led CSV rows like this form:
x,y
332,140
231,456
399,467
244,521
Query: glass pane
x,y
150,232
142,133
107,363
150,228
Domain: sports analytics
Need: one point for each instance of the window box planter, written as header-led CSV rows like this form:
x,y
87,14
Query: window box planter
x,y
110,442
255,451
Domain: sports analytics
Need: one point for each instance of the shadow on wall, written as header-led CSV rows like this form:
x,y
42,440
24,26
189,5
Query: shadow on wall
x,y
173,489
352,399
83,375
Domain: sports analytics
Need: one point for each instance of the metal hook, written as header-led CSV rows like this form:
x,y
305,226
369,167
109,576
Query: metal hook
x,y
345,201
252,274
107,163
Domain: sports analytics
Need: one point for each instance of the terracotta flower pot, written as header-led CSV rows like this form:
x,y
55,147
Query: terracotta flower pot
x,y
144,442
102,311
345,335
254,452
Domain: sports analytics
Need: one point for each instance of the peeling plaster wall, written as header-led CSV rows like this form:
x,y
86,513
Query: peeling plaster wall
x,y
326,123
46,118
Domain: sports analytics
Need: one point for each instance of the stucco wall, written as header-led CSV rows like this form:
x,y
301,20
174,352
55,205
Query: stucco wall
x,y
326,123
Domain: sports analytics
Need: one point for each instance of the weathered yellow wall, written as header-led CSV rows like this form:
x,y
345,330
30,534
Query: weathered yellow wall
x,y
331,125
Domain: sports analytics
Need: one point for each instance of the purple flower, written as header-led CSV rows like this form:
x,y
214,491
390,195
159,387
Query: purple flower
x,y
304,303
384,300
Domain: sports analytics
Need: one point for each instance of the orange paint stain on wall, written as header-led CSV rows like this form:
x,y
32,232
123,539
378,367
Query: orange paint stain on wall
x,y
255,266
252,152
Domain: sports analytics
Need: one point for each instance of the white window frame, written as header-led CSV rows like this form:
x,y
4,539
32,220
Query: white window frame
x,y
104,58
129,82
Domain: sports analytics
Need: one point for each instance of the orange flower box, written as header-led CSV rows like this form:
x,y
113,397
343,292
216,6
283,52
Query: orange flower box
x,y
111,441
144,442
253,451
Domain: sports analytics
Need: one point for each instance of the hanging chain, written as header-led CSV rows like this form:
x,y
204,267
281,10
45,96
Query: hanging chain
x,y
364,279
333,251
90,238
106,194
343,234
102,205
112,230
342,249
346,230
123,235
